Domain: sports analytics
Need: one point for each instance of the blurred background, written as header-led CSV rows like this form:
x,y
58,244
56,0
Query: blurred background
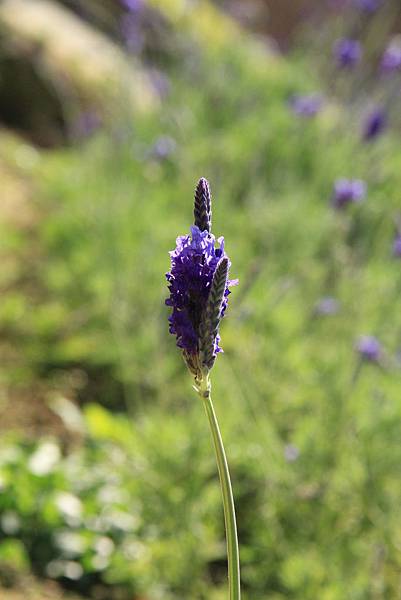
x,y
110,111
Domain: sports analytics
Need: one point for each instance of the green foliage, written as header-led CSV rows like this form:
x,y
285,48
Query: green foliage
x,y
129,509
135,508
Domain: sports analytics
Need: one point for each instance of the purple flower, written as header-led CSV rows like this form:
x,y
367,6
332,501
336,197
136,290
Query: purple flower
x,y
347,52
369,348
306,105
374,124
199,288
347,191
368,6
164,147
397,246
327,306
133,5
160,82
391,59
86,124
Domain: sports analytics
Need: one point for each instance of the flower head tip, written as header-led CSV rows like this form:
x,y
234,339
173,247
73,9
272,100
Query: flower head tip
x,y
203,205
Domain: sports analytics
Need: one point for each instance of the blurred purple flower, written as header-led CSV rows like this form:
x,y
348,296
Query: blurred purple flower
x,y
368,6
391,59
132,32
291,453
327,306
307,105
86,124
374,124
397,246
347,52
133,5
347,191
160,82
369,348
164,147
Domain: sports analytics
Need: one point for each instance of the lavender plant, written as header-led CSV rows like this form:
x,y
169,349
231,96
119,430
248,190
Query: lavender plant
x,y
199,289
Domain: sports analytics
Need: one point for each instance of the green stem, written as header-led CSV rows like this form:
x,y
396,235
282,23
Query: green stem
x,y
228,500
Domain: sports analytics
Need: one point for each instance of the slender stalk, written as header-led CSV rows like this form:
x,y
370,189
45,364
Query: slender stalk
x,y
226,490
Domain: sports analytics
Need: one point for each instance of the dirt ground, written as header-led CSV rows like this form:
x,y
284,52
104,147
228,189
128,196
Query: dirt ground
x,y
30,589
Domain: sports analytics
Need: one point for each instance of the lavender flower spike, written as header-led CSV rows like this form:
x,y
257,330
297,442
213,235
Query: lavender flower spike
x,y
374,124
199,288
347,191
347,52
369,348
368,6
